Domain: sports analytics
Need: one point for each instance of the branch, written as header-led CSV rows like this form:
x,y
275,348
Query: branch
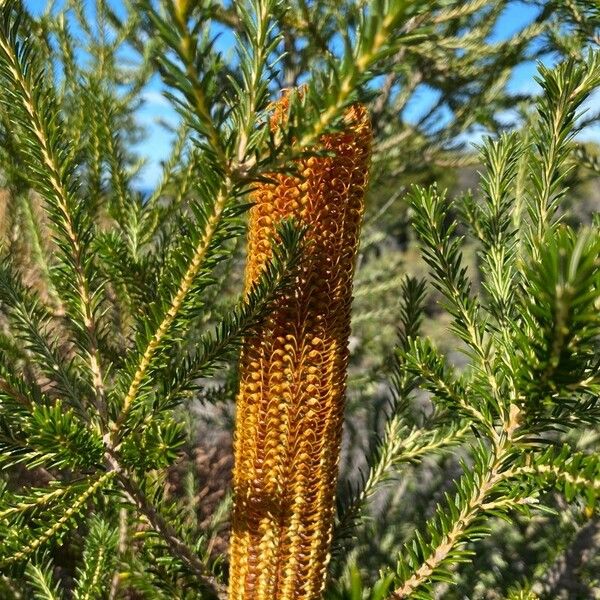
x,y
457,528
177,547
176,304
559,474
395,449
50,170
41,538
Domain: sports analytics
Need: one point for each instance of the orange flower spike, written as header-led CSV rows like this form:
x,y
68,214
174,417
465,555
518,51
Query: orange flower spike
x,y
293,374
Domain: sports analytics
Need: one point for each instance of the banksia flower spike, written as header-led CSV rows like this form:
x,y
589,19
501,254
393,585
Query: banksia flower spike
x,y
293,373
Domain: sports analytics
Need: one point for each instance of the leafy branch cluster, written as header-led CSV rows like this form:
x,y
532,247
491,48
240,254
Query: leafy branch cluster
x,y
530,338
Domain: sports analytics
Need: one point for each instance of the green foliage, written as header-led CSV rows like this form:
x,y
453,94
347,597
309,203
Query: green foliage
x,y
121,313
531,340
98,557
41,581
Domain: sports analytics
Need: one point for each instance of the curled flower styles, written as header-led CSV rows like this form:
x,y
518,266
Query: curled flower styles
x,y
293,374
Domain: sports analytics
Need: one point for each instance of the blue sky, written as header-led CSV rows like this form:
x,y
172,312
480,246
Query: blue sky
x,y
158,140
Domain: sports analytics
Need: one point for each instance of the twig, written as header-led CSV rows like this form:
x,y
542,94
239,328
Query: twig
x,y
177,547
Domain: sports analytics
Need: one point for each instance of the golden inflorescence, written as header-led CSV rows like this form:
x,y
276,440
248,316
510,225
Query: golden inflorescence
x,y
293,374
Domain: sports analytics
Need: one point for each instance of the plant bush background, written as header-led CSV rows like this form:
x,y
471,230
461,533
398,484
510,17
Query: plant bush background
x,y
121,311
